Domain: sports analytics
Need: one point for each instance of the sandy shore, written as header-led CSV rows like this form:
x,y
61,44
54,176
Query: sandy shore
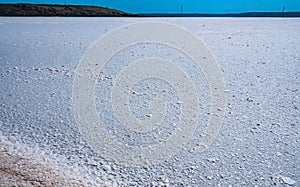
x,y
258,143
24,166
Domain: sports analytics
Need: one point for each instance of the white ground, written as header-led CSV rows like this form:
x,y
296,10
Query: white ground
x,y
259,140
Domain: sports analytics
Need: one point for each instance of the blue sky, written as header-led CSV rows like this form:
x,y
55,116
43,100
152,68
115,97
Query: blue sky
x,y
174,6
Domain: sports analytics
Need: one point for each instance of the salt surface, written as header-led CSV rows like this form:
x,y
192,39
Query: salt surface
x,y
260,61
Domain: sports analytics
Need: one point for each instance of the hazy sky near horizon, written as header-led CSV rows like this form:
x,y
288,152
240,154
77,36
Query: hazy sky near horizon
x,y
175,6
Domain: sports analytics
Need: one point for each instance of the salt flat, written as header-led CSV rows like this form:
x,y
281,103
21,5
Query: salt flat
x,y
258,143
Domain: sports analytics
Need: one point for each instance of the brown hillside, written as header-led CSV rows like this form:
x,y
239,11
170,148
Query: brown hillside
x,y
58,10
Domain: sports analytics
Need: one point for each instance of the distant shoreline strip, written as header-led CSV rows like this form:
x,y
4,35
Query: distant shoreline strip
x,y
246,14
51,10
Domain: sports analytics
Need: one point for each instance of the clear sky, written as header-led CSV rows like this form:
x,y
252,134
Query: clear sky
x,y
188,6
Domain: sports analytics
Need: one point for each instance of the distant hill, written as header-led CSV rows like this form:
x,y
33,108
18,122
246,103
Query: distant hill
x,y
58,10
